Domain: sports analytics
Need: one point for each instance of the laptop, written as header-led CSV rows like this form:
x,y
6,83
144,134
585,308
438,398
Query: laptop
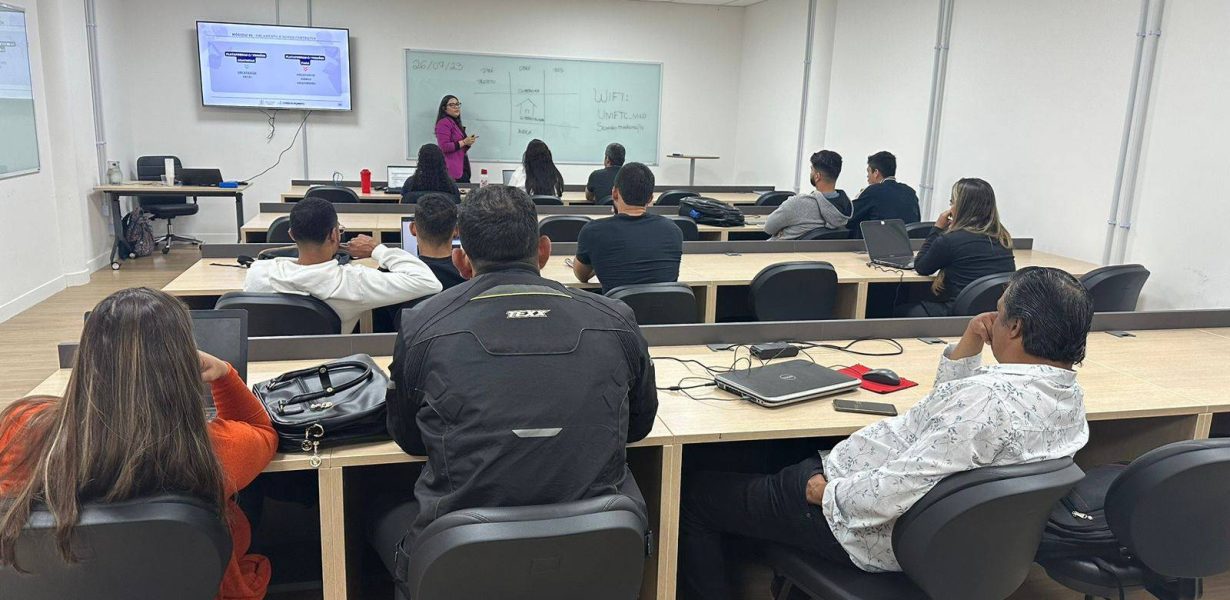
x,y
396,177
785,382
888,244
508,174
199,177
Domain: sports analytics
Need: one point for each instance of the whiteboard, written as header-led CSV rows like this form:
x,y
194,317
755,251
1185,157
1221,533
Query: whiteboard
x,y
18,140
576,106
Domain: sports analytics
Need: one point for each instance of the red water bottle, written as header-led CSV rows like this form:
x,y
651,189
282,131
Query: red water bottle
x,y
365,177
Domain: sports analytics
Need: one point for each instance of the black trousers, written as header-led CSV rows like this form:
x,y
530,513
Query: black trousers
x,y
774,507
923,309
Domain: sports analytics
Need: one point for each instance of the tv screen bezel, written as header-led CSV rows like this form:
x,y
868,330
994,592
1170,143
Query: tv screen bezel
x,y
201,74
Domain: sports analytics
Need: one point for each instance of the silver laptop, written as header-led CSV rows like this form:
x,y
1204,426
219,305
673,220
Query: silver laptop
x,y
887,243
508,173
785,382
397,176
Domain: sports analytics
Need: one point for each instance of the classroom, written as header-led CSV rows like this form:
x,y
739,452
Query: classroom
x,y
614,299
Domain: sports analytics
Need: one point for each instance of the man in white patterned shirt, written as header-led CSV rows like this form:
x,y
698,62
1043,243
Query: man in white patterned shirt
x,y
1027,408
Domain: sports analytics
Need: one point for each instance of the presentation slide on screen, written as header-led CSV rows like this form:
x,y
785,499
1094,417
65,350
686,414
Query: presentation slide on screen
x,y
274,67
14,57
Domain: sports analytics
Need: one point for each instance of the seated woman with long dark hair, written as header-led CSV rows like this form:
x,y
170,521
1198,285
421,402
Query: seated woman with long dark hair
x,y
430,175
132,424
538,175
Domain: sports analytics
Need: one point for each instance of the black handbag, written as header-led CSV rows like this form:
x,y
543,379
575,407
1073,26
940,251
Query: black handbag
x,y
707,211
333,403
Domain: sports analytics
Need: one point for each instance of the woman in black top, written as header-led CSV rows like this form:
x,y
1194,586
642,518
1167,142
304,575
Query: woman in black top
x,y
430,175
967,242
541,176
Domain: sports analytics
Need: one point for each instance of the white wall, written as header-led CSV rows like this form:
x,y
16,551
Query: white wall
x,y
770,92
1181,207
700,47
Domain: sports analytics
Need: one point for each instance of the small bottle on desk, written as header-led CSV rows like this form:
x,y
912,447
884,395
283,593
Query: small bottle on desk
x,y
482,178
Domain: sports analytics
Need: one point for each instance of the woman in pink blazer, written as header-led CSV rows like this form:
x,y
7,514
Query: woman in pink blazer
x,y
452,139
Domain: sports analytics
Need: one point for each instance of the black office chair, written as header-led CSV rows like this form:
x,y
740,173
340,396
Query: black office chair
x,y
1168,511
606,201
152,168
690,232
972,537
272,314
336,194
593,549
1115,288
824,233
672,197
158,547
981,295
794,291
279,231
543,200
919,230
414,197
774,198
562,228
659,303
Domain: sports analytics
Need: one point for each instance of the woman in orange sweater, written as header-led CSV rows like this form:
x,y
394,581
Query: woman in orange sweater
x,y
131,424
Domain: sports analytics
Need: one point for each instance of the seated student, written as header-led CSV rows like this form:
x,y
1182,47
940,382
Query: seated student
x,y
435,228
967,242
350,289
633,246
842,507
430,175
828,207
131,425
602,180
543,384
884,197
537,173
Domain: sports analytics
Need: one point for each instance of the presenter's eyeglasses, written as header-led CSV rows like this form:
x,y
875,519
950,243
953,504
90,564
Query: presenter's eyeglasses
x,y
453,105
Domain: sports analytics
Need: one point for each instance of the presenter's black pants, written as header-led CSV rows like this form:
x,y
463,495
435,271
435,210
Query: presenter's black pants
x,y
719,507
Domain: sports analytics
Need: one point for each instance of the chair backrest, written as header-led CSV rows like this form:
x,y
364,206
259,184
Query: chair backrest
x,y
543,200
981,295
672,197
1115,288
794,291
279,231
165,546
1169,508
974,535
690,232
562,228
606,201
824,233
152,168
271,314
333,193
774,198
919,230
591,548
659,303
414,197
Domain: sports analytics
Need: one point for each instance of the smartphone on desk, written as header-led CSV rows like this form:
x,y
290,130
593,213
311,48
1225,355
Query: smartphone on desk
x,y
867,408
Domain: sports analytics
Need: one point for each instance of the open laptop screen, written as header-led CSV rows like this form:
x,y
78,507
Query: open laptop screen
x,y
886,239
397,176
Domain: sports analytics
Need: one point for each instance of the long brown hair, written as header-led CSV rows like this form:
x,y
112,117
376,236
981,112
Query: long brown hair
x,y
973,202
131,422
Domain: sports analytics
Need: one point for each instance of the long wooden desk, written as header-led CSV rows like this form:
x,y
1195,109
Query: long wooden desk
x,y
1133,399
151,188
380,225
296,193
704,273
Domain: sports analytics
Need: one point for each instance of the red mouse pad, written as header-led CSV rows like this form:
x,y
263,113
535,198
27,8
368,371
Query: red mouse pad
x,y
879,388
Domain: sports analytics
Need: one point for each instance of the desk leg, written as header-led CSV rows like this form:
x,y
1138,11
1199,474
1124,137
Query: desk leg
x,y
239,217
333,533
668,522
691,171
117,227
1204,423
709,297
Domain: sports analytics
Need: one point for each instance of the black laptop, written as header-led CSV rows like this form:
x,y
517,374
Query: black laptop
x,y
199,177
887,243
785,382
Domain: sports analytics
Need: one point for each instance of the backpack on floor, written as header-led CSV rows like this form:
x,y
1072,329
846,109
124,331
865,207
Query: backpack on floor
x,y
1077,525
707,211
138,234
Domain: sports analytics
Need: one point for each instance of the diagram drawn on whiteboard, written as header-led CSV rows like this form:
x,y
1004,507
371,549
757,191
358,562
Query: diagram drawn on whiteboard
x,y
527,108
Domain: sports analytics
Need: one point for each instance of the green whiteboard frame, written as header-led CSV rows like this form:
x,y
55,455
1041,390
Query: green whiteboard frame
x,y
413,156
38,159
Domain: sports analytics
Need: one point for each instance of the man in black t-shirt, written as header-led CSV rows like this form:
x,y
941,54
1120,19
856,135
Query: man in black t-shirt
x,y
633,246
602,180
435,226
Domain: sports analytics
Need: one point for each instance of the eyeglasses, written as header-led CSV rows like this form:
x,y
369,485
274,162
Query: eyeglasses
x,y
453,105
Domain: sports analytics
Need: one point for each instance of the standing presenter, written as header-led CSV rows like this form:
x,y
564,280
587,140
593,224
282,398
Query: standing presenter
x,y
452,138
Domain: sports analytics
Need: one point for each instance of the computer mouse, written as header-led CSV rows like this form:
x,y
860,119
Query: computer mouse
x,y
882,376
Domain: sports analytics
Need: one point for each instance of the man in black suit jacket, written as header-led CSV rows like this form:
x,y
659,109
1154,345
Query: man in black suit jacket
x,y
884,197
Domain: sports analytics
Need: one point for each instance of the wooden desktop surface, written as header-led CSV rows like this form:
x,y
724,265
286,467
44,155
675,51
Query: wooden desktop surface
x,y
297,192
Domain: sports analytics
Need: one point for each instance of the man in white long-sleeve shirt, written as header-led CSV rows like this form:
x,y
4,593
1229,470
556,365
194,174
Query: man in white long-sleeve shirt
x,y
349,289
1027,408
